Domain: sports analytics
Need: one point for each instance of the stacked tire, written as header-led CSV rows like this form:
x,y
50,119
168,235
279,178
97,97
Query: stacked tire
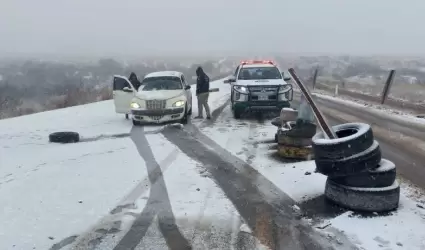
x,y
358,178
295,143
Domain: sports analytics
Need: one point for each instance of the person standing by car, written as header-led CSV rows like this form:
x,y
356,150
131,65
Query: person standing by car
x,y
133,79
202,92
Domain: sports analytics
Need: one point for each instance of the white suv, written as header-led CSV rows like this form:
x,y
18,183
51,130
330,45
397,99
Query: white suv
x,y
163,96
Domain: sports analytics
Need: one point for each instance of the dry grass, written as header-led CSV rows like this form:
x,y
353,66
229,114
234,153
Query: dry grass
x,y
75,96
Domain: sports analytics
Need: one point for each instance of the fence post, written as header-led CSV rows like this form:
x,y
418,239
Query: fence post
x,y
387,86
316,71
336,90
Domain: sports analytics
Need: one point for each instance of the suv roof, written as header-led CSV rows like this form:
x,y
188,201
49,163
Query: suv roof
x,y
164,73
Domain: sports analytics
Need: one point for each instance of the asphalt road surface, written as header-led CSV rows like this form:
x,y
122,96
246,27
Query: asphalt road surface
x,y
408,157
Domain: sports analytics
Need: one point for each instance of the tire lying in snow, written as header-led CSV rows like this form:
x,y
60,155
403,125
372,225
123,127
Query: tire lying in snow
x,y
302,130
353,138
284,139
64,137
383,176
352,165
276,122
364,199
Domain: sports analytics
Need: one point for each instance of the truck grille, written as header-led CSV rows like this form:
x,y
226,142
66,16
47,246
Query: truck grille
x,y
263,93
155,104
257,89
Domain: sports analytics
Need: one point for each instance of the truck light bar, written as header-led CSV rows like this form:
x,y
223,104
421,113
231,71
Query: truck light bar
x,y
257,62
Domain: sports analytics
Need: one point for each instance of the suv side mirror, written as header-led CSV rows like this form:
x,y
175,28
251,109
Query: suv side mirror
x,y
187,87
287,78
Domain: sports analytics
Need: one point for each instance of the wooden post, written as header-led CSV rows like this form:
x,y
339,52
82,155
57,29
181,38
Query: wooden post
x,y
327,130
387,86
316,71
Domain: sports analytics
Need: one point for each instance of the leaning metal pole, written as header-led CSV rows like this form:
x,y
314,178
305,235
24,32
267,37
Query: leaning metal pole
x,y
387,86
319,116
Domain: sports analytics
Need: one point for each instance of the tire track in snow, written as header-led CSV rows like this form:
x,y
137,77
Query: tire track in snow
x,y
255,197
126,206
158,205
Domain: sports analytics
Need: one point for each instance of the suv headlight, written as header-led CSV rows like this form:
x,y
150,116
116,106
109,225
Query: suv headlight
x,y
285,88
178,104
241,89
134,105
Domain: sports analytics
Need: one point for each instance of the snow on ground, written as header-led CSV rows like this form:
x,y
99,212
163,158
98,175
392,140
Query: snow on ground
x,y
203,213
45,186
50,190
252,141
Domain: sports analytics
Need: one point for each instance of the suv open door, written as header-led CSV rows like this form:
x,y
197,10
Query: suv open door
x,y
123,91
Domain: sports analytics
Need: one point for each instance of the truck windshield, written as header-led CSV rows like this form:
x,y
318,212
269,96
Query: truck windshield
x,y
259,73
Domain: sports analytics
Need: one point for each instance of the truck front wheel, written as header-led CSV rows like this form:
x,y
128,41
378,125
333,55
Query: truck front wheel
x,y
236,113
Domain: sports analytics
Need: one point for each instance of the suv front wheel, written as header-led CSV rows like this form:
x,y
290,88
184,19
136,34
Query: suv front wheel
x,y
236,113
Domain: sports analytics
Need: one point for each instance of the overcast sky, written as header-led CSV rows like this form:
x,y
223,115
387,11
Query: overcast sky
x,y
102,27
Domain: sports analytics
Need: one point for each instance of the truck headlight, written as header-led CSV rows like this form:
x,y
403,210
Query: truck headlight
x,y
285,88
134,105
241,89
178,104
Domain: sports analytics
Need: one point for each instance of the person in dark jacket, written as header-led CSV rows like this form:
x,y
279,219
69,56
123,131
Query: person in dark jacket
x,y
133,79
202,92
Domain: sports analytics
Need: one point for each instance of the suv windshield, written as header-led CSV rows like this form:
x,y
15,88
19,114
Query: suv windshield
x,y
161,83
259,73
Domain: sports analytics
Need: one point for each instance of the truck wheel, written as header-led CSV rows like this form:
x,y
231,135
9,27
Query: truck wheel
x,y
352,165
383,176
237,113
381,199
64,137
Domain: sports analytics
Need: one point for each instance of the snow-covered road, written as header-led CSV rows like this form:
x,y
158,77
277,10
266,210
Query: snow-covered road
x,y
211,185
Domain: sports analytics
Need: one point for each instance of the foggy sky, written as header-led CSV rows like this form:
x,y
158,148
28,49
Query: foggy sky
x,y
108,27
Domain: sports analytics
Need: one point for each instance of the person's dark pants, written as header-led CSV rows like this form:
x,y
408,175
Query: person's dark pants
x,y
203,103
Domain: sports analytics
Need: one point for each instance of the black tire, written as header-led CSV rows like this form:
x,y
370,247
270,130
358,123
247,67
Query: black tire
x,y
353,165
286,140
64,137
136,123
276,122
364,199
383,176
185,118
126,116
353,138
306,130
